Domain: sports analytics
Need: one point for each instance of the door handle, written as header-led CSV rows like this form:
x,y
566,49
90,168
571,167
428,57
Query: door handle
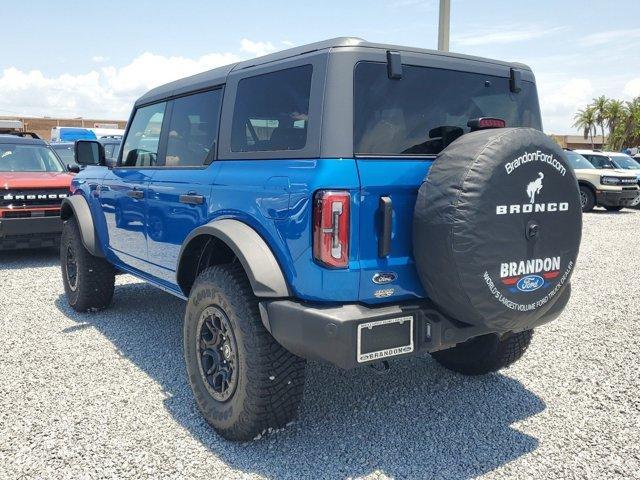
x,y
135,193
386,212
192,199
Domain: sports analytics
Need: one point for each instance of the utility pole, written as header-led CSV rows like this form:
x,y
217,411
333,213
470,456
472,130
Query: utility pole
x,y
444,25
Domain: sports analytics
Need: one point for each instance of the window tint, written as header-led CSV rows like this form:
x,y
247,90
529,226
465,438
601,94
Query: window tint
x,y
141,145
272,111
428,108
193,129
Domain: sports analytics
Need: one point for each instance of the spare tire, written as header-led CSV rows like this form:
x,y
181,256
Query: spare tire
x,y
497,228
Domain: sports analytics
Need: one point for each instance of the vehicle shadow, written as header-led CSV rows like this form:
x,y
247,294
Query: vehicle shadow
x,y
418,421
29,258
602,211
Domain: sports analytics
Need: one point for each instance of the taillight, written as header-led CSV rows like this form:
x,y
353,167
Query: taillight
x,y
331,228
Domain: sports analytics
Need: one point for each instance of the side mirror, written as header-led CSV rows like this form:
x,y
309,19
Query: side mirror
x,y
89,152
73,168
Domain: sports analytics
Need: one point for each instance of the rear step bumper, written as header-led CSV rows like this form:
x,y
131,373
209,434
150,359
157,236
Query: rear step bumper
x,y
330,334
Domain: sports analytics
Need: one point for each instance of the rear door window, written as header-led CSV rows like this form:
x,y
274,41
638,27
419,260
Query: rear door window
x,y
141,145
599,161
272,111
193,129
428,108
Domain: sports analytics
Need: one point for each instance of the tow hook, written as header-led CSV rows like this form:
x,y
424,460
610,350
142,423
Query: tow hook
x,y
380,367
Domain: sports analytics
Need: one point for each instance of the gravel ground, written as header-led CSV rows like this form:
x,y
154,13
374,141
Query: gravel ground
x,y
105,394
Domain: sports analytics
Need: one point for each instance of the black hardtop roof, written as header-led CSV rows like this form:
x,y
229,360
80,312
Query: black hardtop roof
x,y
17,140
219,75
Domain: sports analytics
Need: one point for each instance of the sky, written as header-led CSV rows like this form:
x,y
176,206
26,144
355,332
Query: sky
x,y
93,59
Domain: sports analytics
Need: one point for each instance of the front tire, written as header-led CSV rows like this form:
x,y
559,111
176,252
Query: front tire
x,y
587,199
88,280
243,381
485,354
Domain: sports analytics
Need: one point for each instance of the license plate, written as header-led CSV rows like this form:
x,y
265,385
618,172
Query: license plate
x,y
385,338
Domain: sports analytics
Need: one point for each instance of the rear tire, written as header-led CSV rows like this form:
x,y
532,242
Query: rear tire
x,y
88,280
243,381
614,209
587,199
485,354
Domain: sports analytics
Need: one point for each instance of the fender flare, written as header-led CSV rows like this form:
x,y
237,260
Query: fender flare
x,y
257,259
77,206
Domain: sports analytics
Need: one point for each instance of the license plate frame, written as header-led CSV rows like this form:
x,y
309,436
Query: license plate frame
x,y
391,351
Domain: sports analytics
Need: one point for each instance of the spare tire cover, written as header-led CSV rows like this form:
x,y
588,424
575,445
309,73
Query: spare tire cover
x,y
497,227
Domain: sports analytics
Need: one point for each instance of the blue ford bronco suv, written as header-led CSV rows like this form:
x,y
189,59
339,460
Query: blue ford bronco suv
x,y
343,201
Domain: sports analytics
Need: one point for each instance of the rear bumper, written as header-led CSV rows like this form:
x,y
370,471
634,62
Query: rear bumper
x,y
29,232
331,333
619,198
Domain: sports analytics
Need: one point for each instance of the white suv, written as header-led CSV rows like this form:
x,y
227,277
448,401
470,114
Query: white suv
x,y
601,183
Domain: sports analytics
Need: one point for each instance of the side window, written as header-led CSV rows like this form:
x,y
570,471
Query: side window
x,y
272,111
193,129
141,145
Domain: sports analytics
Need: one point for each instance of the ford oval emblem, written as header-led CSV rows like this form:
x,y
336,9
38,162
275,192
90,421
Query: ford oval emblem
x,y
530,283
382,278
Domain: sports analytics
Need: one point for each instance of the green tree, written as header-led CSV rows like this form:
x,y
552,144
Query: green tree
x,y
617,121
614,113
631,130
600,106
585,120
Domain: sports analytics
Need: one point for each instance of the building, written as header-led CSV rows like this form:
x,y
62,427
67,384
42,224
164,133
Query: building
x,y
578,141
42,125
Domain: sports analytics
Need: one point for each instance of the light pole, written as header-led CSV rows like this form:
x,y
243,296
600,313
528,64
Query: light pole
x,y
443,25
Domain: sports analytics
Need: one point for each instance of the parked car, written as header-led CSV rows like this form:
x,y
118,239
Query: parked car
x,y
602,183
285,199
33,183
603,161
66,152
622,161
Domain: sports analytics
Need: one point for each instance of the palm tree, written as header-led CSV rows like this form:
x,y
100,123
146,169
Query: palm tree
x,y
615,116
585,120
600,105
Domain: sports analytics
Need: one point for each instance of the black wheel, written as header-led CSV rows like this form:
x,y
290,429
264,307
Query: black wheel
x,y
485,354
614,209
243,381
587,199
88,280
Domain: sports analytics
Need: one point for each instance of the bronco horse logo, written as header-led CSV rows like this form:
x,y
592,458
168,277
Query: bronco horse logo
x,y
534,187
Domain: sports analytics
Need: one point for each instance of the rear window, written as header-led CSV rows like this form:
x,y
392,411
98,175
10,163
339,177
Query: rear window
x,y
272,111
428,108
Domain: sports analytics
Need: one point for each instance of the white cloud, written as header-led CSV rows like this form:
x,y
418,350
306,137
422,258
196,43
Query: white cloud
x,y
149,70
99,59
632,88
560,99
505,34
257,49
107,91
610,36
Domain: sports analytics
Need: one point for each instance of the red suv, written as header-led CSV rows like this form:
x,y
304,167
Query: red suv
x,y
33,182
